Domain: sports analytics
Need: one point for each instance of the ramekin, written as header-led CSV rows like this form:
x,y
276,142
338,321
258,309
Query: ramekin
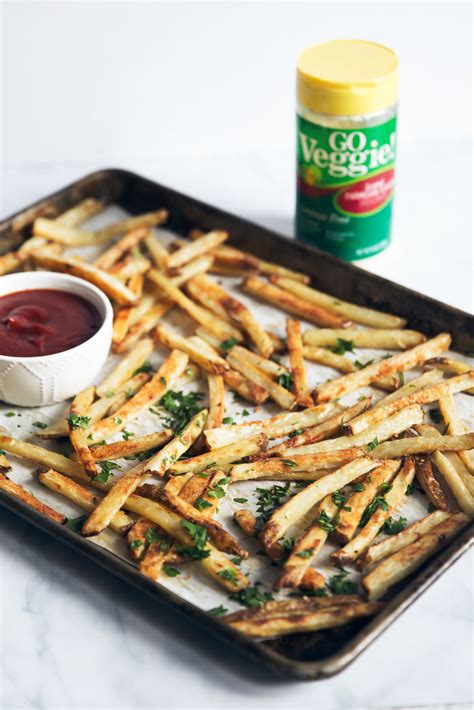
x,y
46,379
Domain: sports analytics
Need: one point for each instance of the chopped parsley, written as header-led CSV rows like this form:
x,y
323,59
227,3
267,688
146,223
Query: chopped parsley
x,y
343,346
241,500
285,380
230,575
268,500
181,408
339,499
40,425
227,420
294,433
305,554
287,544
192,553
217,491
228,344
171,571
410,489
10,414
378,502
196,532
135,544
371,446
145,367
289,462
393,527
202,503
435,415
163,380
218,611
339,584
106,470
357,487
361,365
76,524
325,522
76,421
126,435
401,379
152,537
251,597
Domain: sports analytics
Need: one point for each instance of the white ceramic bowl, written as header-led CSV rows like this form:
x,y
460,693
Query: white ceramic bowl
x,y
45,379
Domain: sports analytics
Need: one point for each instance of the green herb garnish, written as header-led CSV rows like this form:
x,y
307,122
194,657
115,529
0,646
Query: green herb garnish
x,y
181,407
76,524
171,571
146,367
202,503
339,584
343,346
251,597
106,470
218,611
371,446
378,502
285,380
393,527
77,421
228,344
230,575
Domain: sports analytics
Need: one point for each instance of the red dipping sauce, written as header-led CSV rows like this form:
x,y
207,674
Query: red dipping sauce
x,y
45,321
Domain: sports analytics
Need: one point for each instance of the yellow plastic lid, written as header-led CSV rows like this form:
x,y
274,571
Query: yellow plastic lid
x,y
347,77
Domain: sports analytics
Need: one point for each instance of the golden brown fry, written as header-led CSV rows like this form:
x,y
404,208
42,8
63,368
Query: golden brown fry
x,y
422,445
201,289
127,366
380,550
292,304
109,257
431,377
130,447
307,467
393,499
219,457
192,250
358,314
165,379
409,558
397,363
216,387
157,251
202,357
307,621
43,457
129,267
136,540
270,269
343,364
81,212
242,364
458,487
446,364
144,325
456,426
301,503
387,406
298,370
79,424
430,485
193,488
124,315
243,387
103,280
82,497
169,454
19,492
364,338
354,507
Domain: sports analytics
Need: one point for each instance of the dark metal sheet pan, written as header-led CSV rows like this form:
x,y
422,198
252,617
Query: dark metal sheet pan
x,y
309,656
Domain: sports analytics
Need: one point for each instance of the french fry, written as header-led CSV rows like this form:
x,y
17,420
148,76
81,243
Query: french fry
x,y
169,454
393,499
4,463
102,279
243,387
397,363
270,269
328,618
292,304
166,377
216,388
343,364
109,257
380,550
81,212
43,457
364,338
144,325
157,555
307,547
215,564
201,356
131,447
13,489
422,445
239,362
129,267
211,495
136,541
82,497
274,427
206,297
430,485
454,466
308,467
124,315
71,236
271,367
219,457
9,262
301,503
455,426
157,251
397,423
446,364
193,488
399,565
298,370
358,314
79,424
247,522
220,328
127,366
425,395
192,250
431,377
292,607
354,507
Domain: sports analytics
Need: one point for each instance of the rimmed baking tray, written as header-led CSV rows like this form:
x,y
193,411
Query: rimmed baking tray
x,y
308,656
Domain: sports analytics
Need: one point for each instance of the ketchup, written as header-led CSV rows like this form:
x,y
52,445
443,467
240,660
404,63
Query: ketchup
x,y
45,321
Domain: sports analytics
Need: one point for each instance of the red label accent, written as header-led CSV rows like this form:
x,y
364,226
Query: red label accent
x,y
366,195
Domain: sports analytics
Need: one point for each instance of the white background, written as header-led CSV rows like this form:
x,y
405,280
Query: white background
x,y
200,96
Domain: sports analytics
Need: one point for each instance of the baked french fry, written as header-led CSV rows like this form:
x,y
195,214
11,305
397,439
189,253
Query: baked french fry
x,y
358,314
216,388
131,447
123,317
4,463
79,424
197,248
292,304
301,503
157,251
399,565
193,488
219,457
397,363
446,364
165,379
201,356
144,325
81,212
245,388
82,497
102,279
169,454
298,370
456,426
129,267
380,550
109,257
274,427
422,445
43,457
242,364
393,499
328,618
308,467
13,489
202,291
354,507
343,364
364,338
431,377
126,367
430,485
9,262
270,269
271,367
221,569
425,395
454,481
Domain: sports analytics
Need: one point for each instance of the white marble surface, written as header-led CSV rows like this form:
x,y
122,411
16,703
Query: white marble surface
x,y
73,637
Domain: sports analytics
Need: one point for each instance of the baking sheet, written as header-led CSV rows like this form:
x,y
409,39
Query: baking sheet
x,y
193,584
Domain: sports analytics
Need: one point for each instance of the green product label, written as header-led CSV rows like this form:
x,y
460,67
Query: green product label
x,y
345,187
